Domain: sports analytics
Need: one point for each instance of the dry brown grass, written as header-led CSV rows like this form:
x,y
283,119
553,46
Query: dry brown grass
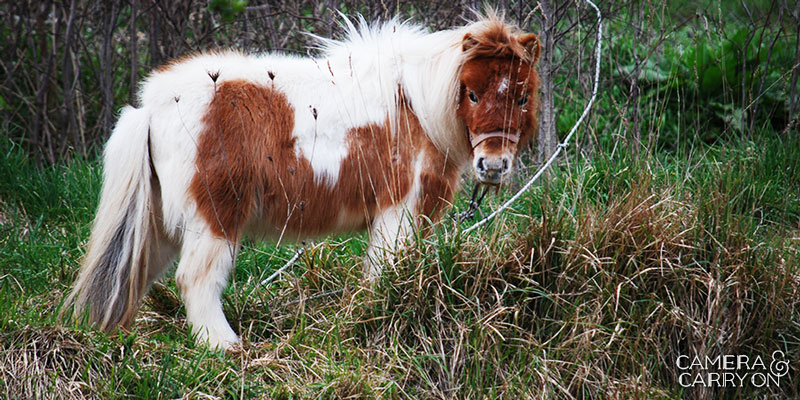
x,y
50,362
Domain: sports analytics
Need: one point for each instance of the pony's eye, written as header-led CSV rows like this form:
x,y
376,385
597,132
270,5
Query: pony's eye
x,y
473,97
523,100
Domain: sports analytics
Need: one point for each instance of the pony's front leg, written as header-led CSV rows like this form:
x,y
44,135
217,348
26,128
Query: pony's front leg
x,y
202,274
389,231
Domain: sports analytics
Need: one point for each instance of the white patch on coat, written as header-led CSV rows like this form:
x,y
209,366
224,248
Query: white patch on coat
x,y
503,86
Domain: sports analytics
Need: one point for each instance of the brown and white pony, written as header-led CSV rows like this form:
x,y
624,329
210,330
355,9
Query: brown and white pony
x,y
373,133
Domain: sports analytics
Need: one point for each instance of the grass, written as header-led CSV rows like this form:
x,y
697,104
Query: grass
x,y
590,287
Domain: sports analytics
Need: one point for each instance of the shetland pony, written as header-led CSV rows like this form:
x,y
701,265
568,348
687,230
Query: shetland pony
x,y
374,133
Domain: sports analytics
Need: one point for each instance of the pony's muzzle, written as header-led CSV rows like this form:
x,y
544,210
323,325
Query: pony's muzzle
x,y
493,155
492,169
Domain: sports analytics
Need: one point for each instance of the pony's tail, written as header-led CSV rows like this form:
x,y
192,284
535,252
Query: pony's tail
x,y
114,272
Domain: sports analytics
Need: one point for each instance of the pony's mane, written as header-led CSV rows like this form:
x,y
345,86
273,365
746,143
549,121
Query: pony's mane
x,y
425,66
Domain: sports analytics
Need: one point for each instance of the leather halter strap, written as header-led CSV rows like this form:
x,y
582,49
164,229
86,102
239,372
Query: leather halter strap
x,y
511,137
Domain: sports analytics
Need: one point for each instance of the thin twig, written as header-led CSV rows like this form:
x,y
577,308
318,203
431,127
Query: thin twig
x,y
281,269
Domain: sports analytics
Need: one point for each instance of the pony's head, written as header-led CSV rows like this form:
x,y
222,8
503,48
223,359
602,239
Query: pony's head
x,y
498,98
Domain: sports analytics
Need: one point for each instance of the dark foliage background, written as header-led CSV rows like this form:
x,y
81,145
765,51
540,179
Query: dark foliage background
x,y
672,69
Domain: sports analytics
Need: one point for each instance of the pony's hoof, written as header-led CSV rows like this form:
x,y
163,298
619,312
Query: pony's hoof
x,y
218,341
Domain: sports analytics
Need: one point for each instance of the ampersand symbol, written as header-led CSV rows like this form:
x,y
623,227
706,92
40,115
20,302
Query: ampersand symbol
x,y
778,367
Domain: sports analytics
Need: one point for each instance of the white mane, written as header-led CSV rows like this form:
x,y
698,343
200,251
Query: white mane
x,y
426,66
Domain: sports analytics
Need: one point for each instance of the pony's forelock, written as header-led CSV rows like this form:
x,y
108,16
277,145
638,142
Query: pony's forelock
x,y
492,36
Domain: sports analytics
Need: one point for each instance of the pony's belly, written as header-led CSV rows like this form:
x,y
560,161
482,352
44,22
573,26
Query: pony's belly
x,y
306,220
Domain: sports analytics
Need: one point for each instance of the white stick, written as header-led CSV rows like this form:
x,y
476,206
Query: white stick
x,y
281,269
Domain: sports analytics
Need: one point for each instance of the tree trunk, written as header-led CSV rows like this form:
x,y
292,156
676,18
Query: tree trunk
x,y
106,66
69,80
547,120
133,32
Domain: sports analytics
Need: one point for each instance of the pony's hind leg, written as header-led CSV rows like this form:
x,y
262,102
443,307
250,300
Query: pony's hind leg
x,y
202,274
162,257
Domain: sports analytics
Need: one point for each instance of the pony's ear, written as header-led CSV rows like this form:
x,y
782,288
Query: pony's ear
x,y
468,42
531,44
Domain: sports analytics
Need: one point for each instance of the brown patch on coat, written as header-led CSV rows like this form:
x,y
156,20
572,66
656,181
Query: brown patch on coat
x,y
249,175
436,192
240,116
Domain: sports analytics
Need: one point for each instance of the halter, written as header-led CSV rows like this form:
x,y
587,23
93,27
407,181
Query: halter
x,y
511,137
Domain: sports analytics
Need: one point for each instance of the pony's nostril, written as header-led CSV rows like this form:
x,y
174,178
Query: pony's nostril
x,y
481,167
505,164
